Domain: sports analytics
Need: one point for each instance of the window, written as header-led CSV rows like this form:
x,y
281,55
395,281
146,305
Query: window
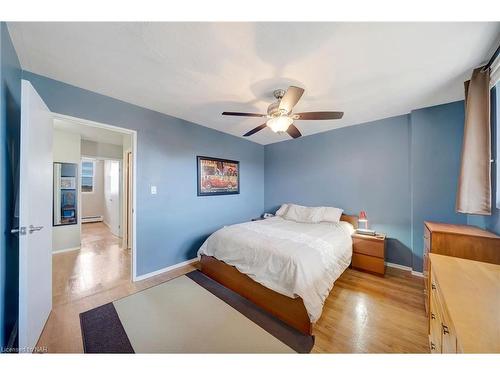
x,y
88,167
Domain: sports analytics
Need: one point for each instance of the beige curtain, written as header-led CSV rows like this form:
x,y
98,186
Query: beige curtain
x,y
474,184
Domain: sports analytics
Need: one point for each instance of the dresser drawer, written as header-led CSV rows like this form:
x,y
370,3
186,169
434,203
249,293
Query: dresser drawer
x,y
435,344
372,247
441,332
368,263
435,321
448,340
435,299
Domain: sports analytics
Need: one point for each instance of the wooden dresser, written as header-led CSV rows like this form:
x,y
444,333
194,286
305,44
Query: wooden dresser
x,y
462,241
464,306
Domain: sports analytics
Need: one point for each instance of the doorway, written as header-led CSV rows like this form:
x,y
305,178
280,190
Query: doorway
x,y
93,253
49,216
102,191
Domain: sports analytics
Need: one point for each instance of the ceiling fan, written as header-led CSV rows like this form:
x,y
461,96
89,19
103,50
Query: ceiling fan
x,y
279,114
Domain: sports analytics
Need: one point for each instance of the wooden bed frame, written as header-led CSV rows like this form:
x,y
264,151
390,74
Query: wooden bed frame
x,y
290,310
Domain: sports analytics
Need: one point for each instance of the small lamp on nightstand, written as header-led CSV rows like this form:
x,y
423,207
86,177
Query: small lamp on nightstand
x,y
363,219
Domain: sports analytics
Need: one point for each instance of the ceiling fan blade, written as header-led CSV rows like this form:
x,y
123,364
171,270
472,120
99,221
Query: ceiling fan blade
x,y
255,130
319,115
243,114
293,131
291,97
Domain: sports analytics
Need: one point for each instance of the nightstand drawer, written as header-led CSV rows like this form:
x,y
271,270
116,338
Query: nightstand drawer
x,y
372,247
368,263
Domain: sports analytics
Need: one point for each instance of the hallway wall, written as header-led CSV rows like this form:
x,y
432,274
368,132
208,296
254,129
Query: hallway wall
x,y
113,187
101,149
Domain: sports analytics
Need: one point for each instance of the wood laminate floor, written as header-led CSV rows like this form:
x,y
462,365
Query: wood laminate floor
x,y
99,265
363,314
366,313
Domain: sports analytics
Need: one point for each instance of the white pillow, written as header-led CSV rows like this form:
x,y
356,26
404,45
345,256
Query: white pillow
x,y
332,214
282,210
303,214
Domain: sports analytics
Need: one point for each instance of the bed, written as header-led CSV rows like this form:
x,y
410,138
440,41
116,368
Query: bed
x,y
284,267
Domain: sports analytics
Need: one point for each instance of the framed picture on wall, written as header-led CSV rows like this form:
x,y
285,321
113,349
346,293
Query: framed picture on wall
x,y
65,194
68,183
218,176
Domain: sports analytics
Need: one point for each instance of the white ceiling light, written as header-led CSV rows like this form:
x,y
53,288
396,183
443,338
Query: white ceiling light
x,y
280,123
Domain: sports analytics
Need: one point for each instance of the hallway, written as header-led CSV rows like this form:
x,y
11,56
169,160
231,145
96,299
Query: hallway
x,y
99,265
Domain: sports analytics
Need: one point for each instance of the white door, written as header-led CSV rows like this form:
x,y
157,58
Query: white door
x,y
35,217
112,195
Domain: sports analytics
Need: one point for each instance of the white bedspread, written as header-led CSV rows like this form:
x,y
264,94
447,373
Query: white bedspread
x,y
294,259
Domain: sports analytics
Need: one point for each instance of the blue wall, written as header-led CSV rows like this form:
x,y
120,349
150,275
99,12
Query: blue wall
x,y
436,144
401,170
363,167
172,224
10,93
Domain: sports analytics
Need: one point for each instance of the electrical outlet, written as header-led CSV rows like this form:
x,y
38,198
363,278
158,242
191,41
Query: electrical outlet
x,y
153,190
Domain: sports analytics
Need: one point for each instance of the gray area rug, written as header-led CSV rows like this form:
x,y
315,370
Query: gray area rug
x,y
102,331
189,314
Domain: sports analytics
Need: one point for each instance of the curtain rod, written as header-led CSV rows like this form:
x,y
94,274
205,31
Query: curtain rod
x,y
493,57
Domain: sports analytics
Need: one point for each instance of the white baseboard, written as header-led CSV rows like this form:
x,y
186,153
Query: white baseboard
x,y
66,250
111,229
399,266
166,269
92,219
406,268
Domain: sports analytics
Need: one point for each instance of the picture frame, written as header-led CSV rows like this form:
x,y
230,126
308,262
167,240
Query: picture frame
x,y
68,183
65,194
217,176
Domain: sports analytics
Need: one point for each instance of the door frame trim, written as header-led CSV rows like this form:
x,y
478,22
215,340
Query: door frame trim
x,y
133,134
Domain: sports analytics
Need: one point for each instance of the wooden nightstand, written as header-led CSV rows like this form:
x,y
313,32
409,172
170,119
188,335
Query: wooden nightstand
x,y
368,253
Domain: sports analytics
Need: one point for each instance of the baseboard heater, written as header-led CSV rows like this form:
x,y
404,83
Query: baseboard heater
x,y
92,219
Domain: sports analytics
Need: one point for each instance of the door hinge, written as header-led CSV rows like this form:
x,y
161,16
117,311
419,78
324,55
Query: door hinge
x,y
21,231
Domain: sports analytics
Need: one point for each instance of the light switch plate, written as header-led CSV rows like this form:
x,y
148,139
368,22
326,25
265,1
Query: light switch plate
x,y
153,190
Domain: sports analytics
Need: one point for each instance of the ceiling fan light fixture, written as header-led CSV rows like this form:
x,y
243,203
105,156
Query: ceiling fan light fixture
x,y
280,114
280,123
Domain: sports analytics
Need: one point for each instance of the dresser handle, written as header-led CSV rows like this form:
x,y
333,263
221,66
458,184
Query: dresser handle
x,y
433,347
445,329
433,316
433,286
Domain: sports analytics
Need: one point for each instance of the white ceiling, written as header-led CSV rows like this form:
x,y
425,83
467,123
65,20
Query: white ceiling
x,y
197,70
90,133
